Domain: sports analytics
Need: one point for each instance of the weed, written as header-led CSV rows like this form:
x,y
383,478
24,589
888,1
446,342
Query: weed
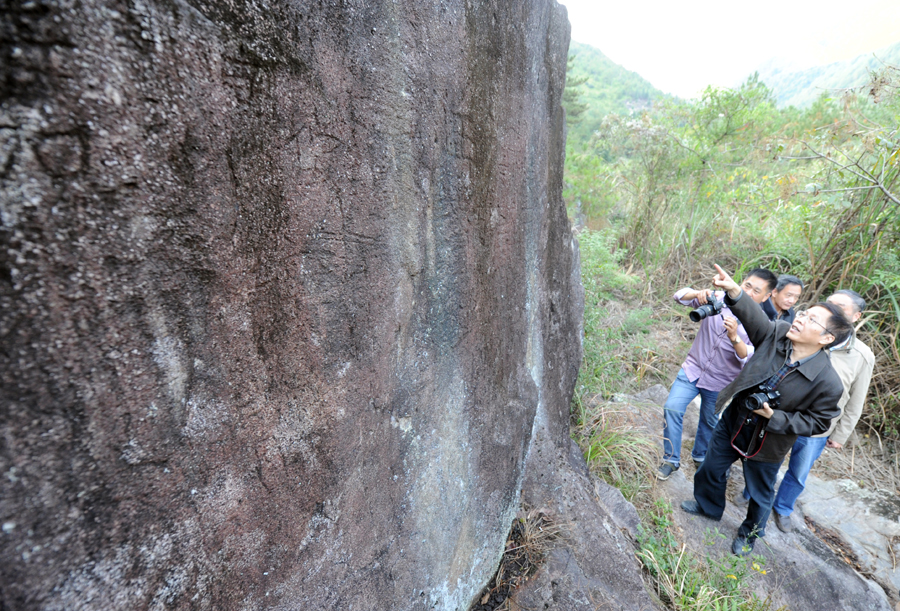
x,y
532,535
619,453
687,582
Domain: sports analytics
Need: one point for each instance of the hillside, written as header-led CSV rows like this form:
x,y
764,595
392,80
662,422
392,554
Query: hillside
x,y
609,88
800,88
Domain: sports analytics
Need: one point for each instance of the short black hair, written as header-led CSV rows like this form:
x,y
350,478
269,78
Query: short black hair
x,y
786,279
838,325
858,302
765,275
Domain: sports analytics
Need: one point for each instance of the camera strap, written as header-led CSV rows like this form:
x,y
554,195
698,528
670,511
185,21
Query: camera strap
x,y
759,435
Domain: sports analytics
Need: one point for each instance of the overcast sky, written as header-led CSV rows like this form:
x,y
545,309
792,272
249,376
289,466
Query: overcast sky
x,y
681,47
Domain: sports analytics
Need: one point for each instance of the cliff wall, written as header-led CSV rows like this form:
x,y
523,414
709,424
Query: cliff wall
x,y
285,287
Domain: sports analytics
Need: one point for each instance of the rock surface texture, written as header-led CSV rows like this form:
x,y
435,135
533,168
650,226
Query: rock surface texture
x,y
285,289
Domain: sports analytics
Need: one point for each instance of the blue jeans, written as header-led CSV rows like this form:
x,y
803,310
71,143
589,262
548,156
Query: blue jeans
x,y
804,453
681,394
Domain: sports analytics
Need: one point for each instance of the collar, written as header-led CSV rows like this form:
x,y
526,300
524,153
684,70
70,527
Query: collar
x,y
812,365
846,344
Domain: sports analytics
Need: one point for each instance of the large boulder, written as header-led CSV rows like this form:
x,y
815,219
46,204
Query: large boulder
x,y
285,288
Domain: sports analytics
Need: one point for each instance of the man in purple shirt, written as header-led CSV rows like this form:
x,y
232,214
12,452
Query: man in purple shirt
x,y
719,352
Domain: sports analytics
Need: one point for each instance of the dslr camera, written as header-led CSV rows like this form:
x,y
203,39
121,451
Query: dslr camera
x,y
756,400
710,308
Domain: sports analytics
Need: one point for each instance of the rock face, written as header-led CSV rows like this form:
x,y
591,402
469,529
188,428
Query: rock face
x,y
284,290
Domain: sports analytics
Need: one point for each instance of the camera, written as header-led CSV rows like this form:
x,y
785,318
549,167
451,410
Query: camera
x,y
710,308
756,400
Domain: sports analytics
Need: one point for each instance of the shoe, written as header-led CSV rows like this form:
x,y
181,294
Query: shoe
x,y
739,500
693,507
783,522
741,546
665,470
697,463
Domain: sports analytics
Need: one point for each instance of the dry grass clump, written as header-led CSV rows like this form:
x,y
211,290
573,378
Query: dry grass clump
x,y
873,463
533,534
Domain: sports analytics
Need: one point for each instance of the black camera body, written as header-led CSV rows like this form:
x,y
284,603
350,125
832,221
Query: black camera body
x,y
755,401
710,308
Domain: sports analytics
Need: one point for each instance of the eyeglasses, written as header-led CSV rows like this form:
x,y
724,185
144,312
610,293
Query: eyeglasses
x,y
805,315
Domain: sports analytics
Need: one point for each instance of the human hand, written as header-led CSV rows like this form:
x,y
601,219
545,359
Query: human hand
x,y
834,444
765,411
724,281
703,296
731,326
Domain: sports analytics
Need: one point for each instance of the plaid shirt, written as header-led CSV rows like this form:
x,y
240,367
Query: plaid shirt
x,y
773,382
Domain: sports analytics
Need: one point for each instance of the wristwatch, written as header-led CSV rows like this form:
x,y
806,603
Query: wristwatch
x,y
736,341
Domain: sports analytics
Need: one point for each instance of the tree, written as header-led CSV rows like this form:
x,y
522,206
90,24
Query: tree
x,y
571,98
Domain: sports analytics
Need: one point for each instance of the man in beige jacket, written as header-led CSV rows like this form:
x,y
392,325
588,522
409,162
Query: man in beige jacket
x,y
854,362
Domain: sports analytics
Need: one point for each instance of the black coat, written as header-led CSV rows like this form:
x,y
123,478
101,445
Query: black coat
x,y
809,394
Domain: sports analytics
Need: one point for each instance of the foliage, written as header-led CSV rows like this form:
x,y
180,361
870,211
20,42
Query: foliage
x,y
618,448
686,582
606,88
730,178
532,535
571,98
618,352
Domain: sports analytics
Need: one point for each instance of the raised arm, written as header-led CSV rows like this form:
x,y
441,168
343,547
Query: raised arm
x,y
755,321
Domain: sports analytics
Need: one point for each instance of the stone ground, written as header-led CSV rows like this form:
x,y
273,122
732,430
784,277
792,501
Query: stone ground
x,y
846,537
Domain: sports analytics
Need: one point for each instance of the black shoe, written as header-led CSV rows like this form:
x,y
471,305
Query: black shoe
x,y
693,507
783,522
741,546
739,500
665,470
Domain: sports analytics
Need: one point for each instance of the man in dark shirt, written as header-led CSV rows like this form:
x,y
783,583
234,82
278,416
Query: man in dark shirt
x,y
789,359
780,306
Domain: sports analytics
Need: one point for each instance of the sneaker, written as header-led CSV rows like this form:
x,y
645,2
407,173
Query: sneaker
x,y
665,470
741,546
697,463
739,500
783,522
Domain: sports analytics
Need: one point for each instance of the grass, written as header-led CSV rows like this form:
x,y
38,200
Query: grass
x,y
688,582
532,535
617,451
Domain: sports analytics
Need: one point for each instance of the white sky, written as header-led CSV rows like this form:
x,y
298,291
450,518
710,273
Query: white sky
x,y
681,47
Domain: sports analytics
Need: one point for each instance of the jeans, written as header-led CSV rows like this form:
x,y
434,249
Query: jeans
x,y
681,394
804,453
710,482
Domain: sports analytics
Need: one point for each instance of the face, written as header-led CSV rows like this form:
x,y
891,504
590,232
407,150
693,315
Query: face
x,y
810,327
756,288
846,304
785,299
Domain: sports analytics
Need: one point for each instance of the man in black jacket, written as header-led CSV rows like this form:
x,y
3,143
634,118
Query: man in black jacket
x,y
787,388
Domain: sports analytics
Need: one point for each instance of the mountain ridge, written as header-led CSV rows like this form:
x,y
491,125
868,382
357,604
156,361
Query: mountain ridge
x,y
801,87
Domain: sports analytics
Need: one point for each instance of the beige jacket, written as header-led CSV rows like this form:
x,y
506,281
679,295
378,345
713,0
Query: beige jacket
x,y
854,363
